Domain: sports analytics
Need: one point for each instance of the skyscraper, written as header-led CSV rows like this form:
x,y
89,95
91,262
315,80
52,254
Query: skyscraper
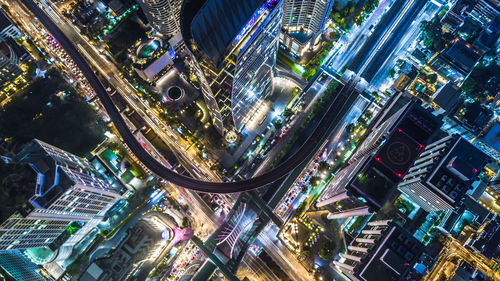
x,y
163,15
443,173
69,193
232,46
305,20
392,142
17,266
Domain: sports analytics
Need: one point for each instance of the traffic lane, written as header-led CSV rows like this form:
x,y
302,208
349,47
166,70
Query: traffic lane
x,y
156,167
365,51
392,41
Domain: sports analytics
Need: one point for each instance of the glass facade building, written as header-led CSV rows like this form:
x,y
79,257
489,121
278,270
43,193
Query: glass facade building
x,y
308,16
233,47
68,193
163,15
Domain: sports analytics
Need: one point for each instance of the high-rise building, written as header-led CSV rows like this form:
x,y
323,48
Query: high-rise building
x,y
369,178
233,47
443,173
9,68
163,15
383,250
7,28
482,11
305,20
17,266
69,192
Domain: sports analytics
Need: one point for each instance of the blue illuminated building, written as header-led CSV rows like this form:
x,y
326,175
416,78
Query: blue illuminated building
x,y
13,264
232,46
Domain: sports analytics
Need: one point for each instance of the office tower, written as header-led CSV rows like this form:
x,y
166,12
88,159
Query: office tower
x,y
382,251
17,266
485,11
7,28
443,173
482,11
392,142
305,20
69,192
9,69
163,15
233,46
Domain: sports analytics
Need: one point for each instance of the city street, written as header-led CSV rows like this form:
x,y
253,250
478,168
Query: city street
x,y
189,159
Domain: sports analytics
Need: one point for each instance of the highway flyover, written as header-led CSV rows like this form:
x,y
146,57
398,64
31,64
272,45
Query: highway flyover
x,y
197,185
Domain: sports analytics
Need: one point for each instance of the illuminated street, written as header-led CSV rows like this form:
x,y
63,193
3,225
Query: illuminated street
x,y
249,140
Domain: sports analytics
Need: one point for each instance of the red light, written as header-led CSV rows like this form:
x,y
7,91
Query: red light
x,y
399,175
474,170
377,158
451,165
399,130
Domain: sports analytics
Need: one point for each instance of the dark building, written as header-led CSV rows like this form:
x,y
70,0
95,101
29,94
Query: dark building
x,y
489,36
448,98
482,11
382,251
392,142
456,61
489,241
7,28
474,116
440,177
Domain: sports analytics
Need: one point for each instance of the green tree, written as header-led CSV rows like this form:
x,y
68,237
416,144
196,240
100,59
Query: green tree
x,y
323,166
475,84
392,72
432,78
432,34
287,113
302,207
309,73
326,252
314,181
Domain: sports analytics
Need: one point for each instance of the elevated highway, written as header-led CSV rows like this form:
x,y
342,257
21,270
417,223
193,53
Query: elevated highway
x,y
159,169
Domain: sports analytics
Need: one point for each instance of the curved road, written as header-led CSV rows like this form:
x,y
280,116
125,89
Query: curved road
x,y
158,168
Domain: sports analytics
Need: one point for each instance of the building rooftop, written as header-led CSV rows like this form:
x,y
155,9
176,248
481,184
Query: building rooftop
x,y
390,255
301,36
4,21
447,97
461,55
217,23
475,115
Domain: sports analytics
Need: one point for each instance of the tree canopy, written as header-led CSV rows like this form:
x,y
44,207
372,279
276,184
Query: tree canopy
x,y
433,36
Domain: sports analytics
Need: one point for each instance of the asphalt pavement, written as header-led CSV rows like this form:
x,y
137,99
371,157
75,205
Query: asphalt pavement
x,y
158,168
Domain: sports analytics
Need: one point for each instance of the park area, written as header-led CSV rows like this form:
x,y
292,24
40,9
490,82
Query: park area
x,y
51,111
124,37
